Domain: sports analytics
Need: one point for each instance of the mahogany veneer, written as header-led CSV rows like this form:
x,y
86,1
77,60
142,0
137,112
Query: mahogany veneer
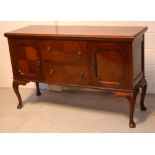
x,y
109,58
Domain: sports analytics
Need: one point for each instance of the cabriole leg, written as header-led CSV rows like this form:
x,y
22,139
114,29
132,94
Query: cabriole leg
x,y
132,102
144,88
15,85
38,93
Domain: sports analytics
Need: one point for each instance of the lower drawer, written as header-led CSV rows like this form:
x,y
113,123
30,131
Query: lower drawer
x,y
65,74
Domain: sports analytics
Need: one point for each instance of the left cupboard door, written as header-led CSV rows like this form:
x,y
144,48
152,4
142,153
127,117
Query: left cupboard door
x,y
25,59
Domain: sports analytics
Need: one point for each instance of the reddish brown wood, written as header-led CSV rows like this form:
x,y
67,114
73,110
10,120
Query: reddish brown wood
x,y
110,63
65,74
15,85
111,33
109,58
64,51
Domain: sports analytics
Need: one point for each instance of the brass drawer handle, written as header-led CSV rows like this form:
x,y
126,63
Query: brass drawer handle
x,y
81,74
51,70
78,53
49,48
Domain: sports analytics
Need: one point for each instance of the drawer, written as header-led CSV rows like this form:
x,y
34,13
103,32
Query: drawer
x,y
65,74
64,51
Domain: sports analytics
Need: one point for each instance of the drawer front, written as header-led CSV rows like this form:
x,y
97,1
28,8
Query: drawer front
x,y
65,74
64,51
110,65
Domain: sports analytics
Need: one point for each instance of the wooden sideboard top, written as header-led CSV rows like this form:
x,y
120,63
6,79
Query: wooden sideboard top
x,y
78,32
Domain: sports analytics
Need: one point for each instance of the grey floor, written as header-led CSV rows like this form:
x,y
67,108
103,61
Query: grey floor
x,y
72,111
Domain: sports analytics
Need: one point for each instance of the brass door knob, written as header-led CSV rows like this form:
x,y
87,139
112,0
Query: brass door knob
x,y
98,78
38,62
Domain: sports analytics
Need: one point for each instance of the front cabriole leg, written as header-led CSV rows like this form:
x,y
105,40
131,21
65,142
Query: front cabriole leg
x,y
15,85
132,100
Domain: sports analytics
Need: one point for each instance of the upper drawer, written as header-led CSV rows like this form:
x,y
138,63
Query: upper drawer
x,y
64,51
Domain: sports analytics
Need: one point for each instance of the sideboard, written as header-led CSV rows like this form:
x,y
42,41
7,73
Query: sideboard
x,y
109,58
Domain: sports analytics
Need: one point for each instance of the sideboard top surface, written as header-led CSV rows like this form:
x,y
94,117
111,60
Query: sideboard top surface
x,y
78,32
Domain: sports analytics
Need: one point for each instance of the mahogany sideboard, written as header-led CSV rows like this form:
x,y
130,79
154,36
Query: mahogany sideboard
x,y
109,58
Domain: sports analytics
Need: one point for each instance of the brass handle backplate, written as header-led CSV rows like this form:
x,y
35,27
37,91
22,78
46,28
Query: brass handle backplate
x,y
38,62
51,70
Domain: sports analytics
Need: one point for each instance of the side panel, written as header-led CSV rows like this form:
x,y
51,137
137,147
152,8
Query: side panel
x,y
138,59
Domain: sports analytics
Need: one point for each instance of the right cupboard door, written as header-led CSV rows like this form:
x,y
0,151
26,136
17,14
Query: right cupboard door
x,y
110,64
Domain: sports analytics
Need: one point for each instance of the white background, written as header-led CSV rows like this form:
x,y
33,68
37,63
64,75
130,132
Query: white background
x,y
80,10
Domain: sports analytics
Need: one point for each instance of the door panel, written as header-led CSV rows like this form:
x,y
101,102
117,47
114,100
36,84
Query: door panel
x,y
27,59
109,64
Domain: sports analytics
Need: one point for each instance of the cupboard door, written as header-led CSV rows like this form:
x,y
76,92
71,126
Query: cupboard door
x,y
109,64
27,59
